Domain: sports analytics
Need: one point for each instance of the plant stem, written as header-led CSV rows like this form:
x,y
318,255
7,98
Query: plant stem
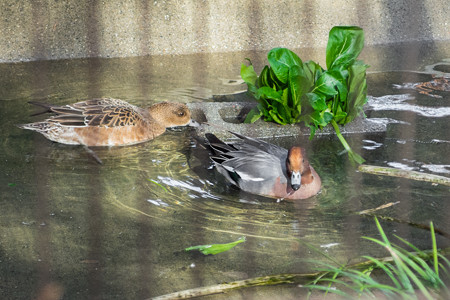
x,y
353,156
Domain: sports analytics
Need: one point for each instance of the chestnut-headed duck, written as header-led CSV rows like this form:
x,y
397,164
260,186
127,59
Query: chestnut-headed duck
x,y
262,168
108,122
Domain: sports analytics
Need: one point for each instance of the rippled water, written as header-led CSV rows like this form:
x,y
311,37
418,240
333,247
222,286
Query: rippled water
x,y
118,230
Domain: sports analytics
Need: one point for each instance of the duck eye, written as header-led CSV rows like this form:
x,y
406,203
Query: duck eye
x,y
181,114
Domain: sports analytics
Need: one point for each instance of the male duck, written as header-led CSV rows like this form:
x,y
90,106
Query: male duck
x,y
108,122
261,168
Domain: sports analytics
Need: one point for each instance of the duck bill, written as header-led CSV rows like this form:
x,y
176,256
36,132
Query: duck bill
x,y
193,123
296,180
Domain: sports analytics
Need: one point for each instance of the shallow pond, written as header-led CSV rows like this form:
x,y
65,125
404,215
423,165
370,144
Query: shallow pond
x,y
72,227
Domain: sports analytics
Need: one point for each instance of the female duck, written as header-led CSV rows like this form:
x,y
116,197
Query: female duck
x,y
261,168
108,122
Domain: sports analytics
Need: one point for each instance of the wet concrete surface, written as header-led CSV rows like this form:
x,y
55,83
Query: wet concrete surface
x,y
221,117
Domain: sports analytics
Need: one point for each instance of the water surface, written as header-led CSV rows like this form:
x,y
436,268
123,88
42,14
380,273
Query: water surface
x,y
75,228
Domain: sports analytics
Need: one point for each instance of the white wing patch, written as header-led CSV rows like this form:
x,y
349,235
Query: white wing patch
x,y
245,176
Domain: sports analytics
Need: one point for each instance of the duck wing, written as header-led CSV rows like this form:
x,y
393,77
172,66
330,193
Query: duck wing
x,y
246,164
103,112
259,167
248,142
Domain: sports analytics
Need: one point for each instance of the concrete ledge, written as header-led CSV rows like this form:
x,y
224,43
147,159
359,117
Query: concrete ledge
x,y
224,116
44,29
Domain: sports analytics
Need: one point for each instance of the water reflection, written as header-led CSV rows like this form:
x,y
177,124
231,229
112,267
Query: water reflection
x,y
398,103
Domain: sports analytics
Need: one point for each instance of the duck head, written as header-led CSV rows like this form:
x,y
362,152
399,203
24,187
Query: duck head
x,y
297,167
170,114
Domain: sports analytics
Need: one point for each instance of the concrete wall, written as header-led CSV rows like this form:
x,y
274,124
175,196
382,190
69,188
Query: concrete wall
x,y
55,29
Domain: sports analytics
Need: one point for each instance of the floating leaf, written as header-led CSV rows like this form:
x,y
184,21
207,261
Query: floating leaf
x,y
216,248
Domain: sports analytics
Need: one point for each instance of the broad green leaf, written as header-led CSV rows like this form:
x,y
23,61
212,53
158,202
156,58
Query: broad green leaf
x,y
275,83
283,113
276,117
248,74
340,84
253,115
299,84
281,59
312,128
357,95
345,43
290,91
340,115
270,94
316,101
296,113
263,104
326,85
285,97
215,248
268,79
265,107
312,70
340,98
321,118
263,78
327,117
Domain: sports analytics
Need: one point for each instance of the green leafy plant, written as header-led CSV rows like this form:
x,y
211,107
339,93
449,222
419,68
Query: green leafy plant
x,y
216,248
291,91
406,271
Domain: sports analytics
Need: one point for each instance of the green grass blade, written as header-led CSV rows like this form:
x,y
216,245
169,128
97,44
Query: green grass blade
x,y
158,184
446,261
401,259
435,257
422,268
409,245
408,272
418,263
387,271
404,279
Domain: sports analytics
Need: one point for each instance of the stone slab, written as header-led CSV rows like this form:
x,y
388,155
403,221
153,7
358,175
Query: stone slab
x,y
222,117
